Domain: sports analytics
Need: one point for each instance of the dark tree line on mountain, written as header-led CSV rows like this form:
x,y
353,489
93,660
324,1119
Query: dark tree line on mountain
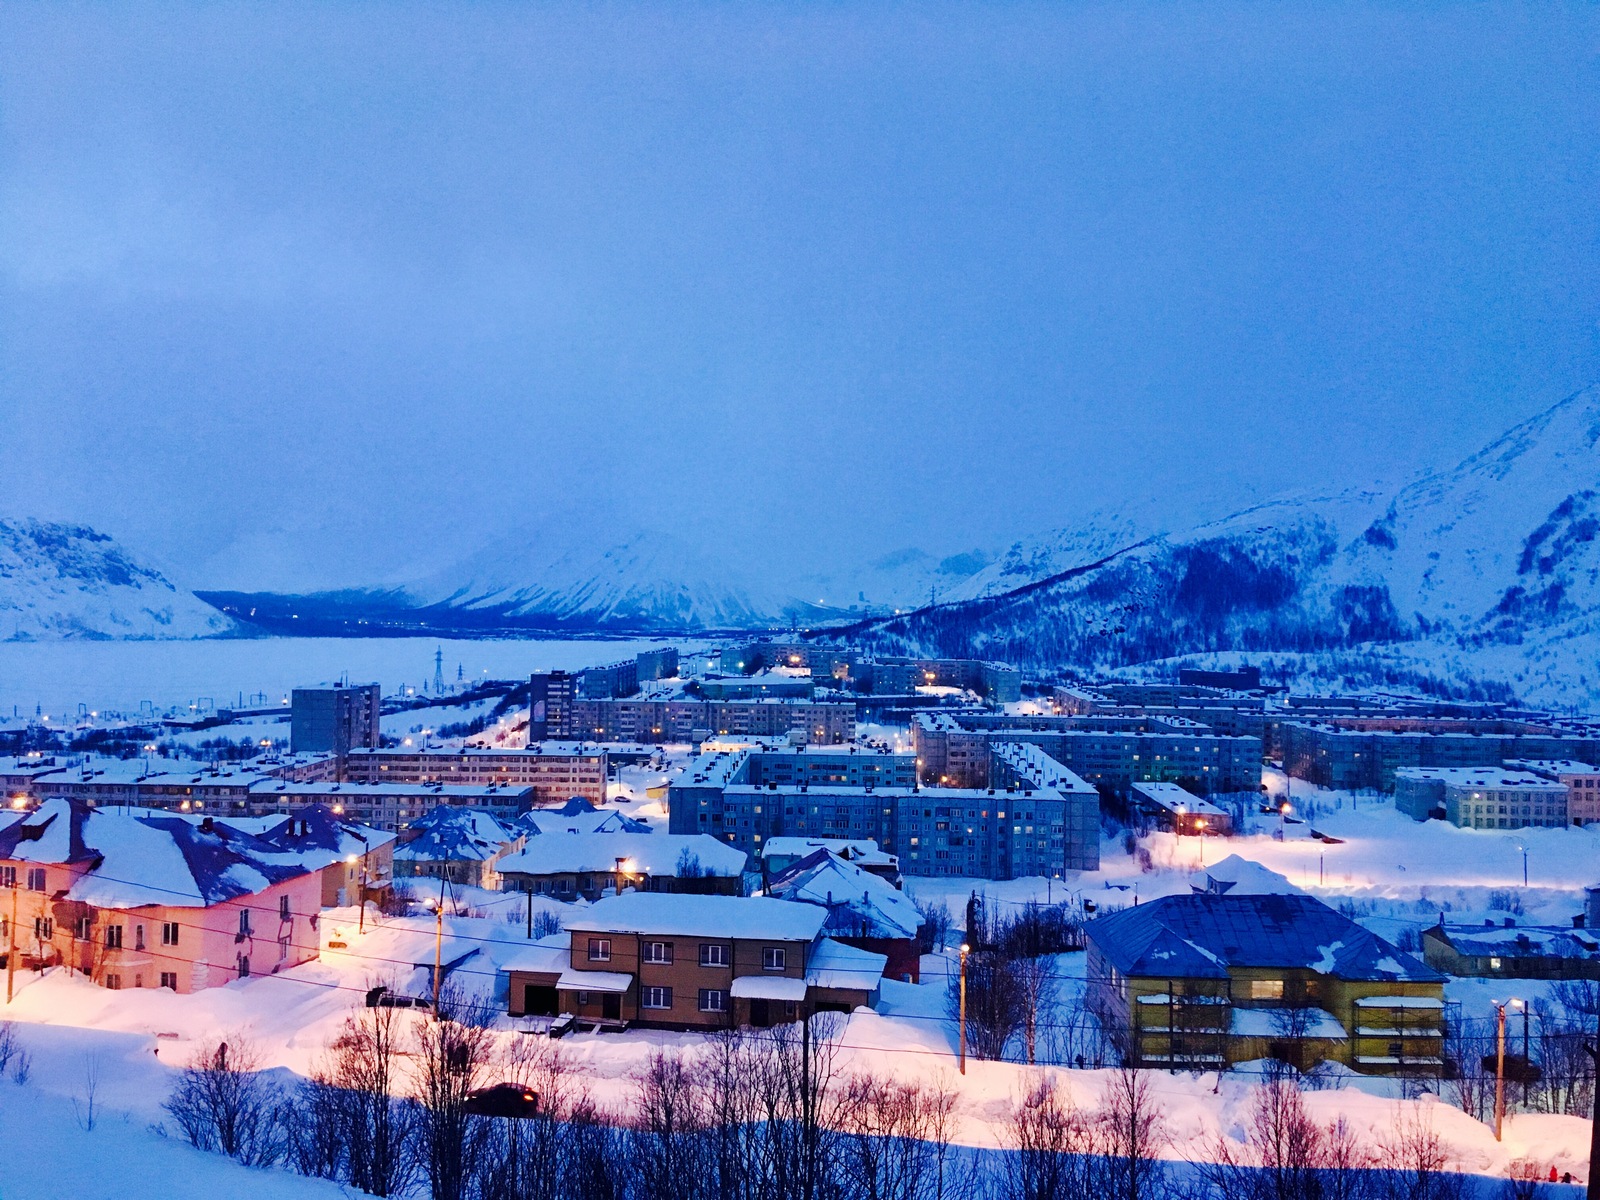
x,y
1218,595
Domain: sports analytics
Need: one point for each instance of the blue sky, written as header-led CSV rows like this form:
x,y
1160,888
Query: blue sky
x,y
295,296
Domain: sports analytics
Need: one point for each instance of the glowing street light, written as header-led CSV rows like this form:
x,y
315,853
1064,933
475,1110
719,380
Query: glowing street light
x,y
965,949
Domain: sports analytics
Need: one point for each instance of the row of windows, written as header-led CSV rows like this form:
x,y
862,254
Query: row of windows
x,y
712,954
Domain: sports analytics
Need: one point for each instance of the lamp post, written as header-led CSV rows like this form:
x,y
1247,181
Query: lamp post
x,y
1500,1007
964,951
1200,830
1283,821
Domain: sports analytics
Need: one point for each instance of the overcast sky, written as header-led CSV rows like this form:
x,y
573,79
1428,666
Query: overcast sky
x,y
293,297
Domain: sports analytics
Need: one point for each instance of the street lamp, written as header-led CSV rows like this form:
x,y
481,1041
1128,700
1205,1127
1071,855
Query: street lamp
x,y
965,949
1500,1007
1200,832
1283,821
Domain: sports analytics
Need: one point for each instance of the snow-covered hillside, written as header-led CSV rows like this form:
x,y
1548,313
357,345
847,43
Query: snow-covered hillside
x,y
69,581
1494,564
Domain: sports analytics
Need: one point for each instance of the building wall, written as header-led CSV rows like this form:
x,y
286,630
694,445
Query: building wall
x,y
336,719
554,778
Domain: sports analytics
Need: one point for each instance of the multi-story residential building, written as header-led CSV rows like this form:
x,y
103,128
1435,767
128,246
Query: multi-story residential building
x,y
697,962
145,900
654,722
1480,797
1364,753
1582,781
390,806
587,865
553,771
953,749
21,776
1040,819
863,909
1207,980
354,861
335,719
550,697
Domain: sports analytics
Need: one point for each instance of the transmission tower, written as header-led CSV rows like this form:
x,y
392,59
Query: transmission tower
x,y
438,671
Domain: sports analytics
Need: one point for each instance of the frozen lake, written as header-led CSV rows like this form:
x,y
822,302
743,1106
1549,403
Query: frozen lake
x,y
119,676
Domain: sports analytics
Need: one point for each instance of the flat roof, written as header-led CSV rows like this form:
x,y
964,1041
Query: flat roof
x,y
745,917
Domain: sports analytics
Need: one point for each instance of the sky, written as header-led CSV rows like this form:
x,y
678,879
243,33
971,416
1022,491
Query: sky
x,y
305,296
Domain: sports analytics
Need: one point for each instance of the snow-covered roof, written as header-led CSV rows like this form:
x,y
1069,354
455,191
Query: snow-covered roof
x,y
316,835
835,965
859,904
149,858
647,854
750,917
858,850
551,954
447,834
1523,941
1172,798
1038,768
501,793
768,987
1273,1022
589,820
1487,778
1235,876
1201,936
574,979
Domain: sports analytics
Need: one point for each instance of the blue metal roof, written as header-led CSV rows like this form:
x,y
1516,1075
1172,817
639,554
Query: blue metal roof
x,y
1202,936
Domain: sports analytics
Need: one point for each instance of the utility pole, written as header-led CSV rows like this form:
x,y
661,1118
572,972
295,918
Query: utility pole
x,y
438,946
1500,1065
965,948
1592,1192
11,953
530,911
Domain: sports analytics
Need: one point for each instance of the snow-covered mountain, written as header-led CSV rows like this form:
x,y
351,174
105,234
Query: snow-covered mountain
x,y
646,579
69,581
1491,567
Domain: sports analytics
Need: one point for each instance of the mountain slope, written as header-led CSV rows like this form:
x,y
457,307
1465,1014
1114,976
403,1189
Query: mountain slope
x,y
69,581
1494,563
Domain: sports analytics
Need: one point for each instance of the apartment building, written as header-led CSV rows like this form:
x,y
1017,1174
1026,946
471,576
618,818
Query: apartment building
x,y
1040,819
1205,981
1364,753
1480,797
335,719
458,845
588,865
1582,781
699,962
553,772
550,697
146,900
654,722
1114,752
390,806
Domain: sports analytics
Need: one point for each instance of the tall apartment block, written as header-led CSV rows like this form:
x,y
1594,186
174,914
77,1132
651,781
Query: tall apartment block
x,y
1365,752
335,719
550,697
553,771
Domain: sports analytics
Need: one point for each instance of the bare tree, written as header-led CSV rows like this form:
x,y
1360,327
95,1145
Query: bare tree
x,y
892,1139
669,1143
222,1103
1133,1131
453,1055
1286,1154
353,1125
1416,1165
996,1002
1050,1148
84,1107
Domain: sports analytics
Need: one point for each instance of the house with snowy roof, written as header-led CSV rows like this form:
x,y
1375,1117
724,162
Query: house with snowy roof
x,y
152,899
570,865
1206,980
1505,949
693,962
781,853
462,845
354,861
1236,876
863,911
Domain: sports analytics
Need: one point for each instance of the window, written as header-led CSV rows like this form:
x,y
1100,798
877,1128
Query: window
x,y
8,877
773,958
44,928
713,954
83,929
283,948
114,982
244,922
138,937
658,952
36,879
713,1000
1266,989
113,937
283,908
244,966
599,949
658,997
169,933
